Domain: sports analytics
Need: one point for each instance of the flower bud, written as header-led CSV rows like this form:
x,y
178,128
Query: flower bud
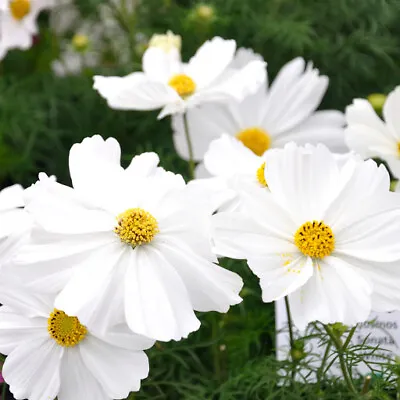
x,y
377,101
205,12
166,42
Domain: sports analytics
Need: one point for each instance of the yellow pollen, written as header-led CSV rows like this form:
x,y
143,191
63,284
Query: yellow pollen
x,y
183,84
20,8
398,149
256,139
261,175
65,330
136,226
315,239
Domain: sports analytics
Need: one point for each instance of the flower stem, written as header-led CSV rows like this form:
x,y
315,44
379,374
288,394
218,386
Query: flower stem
x,y
4,391
291,336
190,146
340,349
320,372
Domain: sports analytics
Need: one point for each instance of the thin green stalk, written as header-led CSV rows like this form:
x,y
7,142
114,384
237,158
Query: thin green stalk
x,y
190,146
349,337
291,336
320,372
340,349
4,391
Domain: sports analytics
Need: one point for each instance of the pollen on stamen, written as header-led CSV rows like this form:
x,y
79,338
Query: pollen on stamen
x,y
261,175
136,227
256,139
20,8
183,84
65,330
315,239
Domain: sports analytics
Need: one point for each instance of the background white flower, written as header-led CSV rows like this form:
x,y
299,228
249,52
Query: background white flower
x,y
174,86
18,23
52,355
369,136
125,245
269,118
325,235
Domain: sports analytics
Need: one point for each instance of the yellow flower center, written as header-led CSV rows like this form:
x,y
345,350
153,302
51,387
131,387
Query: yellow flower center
x,y
183,84
65,330
20,8
398,149
261,175
256,139
80,42
136,226
315,239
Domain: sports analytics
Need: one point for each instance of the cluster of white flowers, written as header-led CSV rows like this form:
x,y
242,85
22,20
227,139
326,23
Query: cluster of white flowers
x,y
94,274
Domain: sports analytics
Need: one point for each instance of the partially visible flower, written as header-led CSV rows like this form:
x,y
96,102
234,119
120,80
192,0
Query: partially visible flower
x,y
270,118
377,101
140,231
52,354
166,42
173,86
18,23
81,52
15,223
324,234
369,136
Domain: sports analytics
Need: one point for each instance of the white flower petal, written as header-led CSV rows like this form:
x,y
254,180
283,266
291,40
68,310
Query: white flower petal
x,y
303,181
335,293
96,269
391,112
77,382
210,287
210,60
16,329
237,236
366,133
206,123
321,127
281,274
160,65
118,370
157,304
135,92
143,165
33,369
11,197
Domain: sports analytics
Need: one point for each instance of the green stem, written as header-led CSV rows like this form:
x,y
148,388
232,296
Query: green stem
x,y
320,372
291,336
190,146
340,349
4,391
349,337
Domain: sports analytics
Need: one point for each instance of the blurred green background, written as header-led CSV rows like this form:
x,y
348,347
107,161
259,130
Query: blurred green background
x,y
354,42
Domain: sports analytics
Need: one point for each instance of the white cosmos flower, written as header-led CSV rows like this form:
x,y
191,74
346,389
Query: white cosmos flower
x,y
369,136
168,83
51,354
125,245
325,235
18,23
270,118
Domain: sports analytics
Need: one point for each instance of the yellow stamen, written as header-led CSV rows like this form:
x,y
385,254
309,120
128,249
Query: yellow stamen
x,y
261,175
20,8
66,331
256,139
183,84
315,239
80,42
398,149
136,226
